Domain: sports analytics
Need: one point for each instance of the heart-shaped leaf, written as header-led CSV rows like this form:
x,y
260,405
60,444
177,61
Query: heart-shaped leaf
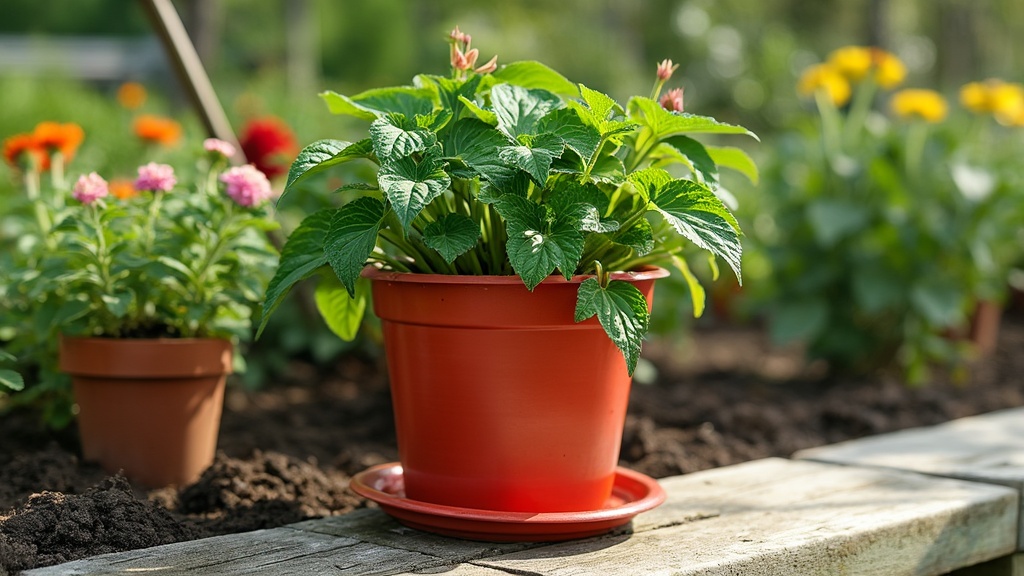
x,y
535,158
538,244
452,235
395,137
410,185
352,237
406,100
519,109
622,311
302,255
342,313
530,74
580,137
697,214
323,154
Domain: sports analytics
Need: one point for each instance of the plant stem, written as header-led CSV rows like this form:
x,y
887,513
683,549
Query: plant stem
x,y
917,135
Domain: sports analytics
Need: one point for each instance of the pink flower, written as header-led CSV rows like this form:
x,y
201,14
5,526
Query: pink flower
x,y
665,69
221,147
489,67
156,177
459,36
465,61
246,185
673,100
90,188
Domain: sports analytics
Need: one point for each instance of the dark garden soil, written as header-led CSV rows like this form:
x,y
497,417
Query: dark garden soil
x,y
288,451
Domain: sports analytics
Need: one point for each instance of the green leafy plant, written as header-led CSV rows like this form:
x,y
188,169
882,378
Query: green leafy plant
x,y
882,230
151,258
514,170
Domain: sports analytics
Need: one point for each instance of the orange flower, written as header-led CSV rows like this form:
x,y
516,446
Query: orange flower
x,y
64,138
17,146
158,129
131,95
123,189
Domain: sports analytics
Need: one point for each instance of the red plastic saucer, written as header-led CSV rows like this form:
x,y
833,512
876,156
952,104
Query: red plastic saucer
x,y
632,493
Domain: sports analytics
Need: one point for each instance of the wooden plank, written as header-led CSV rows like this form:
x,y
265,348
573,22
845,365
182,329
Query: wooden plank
x,y
277,551
765,517
1005,566
987,448
785,517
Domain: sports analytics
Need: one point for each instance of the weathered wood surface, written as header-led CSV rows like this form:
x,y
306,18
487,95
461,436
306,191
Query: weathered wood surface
x,y
766,517
987,448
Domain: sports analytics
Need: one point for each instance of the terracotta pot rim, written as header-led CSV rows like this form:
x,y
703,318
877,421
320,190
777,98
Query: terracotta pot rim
x,y
373,273
163,340
145,357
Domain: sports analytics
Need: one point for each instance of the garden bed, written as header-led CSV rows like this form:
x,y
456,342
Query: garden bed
x,y
289,450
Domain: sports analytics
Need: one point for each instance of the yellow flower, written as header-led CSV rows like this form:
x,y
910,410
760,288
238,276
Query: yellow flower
x,y
928,105
853,62
824,77
889,70
856,62
1004,100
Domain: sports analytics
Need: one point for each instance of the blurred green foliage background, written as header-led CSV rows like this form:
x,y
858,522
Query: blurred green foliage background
x,y
740,60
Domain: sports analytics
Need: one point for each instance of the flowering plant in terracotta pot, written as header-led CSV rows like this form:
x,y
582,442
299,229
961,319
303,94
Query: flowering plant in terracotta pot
x,y
515,170
154,277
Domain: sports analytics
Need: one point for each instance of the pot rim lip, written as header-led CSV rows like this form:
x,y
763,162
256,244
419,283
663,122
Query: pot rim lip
x,y
374,273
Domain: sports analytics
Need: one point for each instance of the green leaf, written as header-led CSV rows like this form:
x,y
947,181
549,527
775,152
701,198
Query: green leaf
x,y
697,295
352,237
302,255
600,104
118,304
453,94
483,114
406,100
342,313
609,169
434,121
452,235
476,144
581,138
395,136
534,159
587,201
697,158
639,237
6,356
735,159
649,181
622,311
530,74
323,154
410,185
938,300
696,213
663,123
12,380
519,109
537,244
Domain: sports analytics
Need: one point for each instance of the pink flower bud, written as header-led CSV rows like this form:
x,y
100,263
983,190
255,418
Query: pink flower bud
x,y
459,36
673,100
90,188
489,67
221,147
246,185
665,69
156,177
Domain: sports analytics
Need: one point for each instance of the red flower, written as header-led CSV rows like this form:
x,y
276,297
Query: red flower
x,y
269,145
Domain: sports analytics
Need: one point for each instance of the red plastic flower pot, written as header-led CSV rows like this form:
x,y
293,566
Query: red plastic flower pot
x,y
148,407
502,401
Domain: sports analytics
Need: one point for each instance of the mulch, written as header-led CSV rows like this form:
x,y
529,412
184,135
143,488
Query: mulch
x,y
287,452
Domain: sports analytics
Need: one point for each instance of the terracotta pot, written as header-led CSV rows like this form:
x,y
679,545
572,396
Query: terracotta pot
x,y
984,326
502,401
148,407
